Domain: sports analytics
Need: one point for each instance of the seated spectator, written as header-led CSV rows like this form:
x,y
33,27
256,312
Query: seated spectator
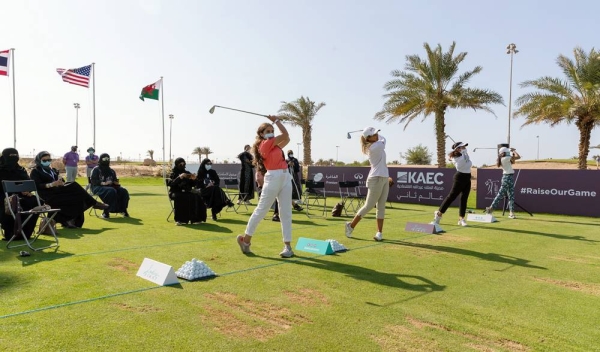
x,y
70,198
10,170
106,185
214,197
188,204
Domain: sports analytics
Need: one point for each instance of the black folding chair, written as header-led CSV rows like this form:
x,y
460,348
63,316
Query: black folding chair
x,y
235,196
351,197
315,197
168,184
44,212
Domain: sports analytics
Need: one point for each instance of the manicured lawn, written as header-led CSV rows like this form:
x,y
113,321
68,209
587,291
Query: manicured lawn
x,y
514,285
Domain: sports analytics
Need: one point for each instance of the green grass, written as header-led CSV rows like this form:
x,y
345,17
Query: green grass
x,y
525,284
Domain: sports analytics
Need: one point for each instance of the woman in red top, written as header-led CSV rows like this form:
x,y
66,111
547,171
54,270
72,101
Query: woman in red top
x,y
269,159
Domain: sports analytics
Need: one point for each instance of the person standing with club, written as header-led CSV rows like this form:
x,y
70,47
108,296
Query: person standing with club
x,y
269,159
373,145
461,185
507,187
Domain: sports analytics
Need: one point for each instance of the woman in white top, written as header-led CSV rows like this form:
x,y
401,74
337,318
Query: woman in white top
x,y
505,160
462,183
378,187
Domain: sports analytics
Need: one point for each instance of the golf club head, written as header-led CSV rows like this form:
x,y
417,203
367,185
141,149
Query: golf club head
x,y
349,136
212,109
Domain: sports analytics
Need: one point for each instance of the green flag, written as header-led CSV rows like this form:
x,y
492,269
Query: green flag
x,y
151,91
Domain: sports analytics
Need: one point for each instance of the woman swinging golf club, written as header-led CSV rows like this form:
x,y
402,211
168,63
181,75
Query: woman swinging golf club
x,y
507,188
373,145
269,159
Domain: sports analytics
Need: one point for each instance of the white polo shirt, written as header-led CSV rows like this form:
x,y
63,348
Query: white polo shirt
x,y
507,168
463,163
377,159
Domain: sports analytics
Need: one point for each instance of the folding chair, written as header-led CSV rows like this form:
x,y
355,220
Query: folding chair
x,y
315,197
168,184
234,197
350,195
11,187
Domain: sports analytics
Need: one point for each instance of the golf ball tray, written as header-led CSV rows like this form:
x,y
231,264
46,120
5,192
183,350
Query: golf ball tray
x,y
336,246
195,270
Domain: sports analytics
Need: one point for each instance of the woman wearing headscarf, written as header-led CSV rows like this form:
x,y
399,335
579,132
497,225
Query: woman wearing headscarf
x,y
213,195
106,185
188,205
294,167
70,198
10,170
246,180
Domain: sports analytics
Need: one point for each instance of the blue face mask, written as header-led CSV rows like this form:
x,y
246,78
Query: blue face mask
x,y
269,135
45,163
208,167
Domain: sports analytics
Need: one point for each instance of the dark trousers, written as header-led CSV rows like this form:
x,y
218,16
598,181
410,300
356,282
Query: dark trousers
x,y
116,197
462,186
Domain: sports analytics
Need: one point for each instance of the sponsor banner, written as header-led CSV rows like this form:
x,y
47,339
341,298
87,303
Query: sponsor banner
x,y
411,185
567,192
225,171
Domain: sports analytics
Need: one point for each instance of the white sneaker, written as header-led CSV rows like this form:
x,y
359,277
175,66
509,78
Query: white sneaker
x,y
488,210
436,218
245,247
287,252
349,230
178,223
512,216
378,237
462,222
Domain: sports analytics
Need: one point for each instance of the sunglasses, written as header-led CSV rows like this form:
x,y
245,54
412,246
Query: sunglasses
x,y
105,159
46,159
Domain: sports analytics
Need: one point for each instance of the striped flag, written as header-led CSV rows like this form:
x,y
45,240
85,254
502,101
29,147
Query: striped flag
x,y
78,76
4,62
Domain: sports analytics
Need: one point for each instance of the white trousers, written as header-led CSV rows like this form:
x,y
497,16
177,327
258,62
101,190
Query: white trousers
x,y
379,188
278,185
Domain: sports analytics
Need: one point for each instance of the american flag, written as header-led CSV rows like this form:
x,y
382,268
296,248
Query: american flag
x,y
78,76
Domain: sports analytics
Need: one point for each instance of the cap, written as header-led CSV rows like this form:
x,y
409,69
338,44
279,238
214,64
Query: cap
x,y
369,131
74,146
459,144
91,149
503,150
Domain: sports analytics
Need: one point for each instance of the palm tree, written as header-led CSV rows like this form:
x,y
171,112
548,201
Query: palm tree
x,y
431,86
200,151
151,154
301,113
575,99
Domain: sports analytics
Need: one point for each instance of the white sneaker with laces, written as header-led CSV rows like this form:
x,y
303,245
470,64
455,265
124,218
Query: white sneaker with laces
x,y
287,252
488,210
245,247
378,237
512,216
462,222
436,218
349,230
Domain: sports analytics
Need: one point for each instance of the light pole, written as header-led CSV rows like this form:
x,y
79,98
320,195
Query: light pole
x,y
538,148
171,117
511,49
298,156
337,150
76,105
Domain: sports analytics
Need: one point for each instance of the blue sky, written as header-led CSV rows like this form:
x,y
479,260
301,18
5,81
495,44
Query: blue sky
x,y
253,54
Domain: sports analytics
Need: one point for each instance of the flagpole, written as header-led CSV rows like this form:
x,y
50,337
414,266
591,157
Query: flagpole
x,y
12,72
94,103
162,118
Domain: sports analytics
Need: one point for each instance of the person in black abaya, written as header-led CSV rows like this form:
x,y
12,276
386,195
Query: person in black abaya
x,y
213,195
189,205
106,185
70,198
246,176
10,170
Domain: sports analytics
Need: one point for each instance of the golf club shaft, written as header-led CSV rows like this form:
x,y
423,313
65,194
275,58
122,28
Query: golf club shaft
x,y
247,112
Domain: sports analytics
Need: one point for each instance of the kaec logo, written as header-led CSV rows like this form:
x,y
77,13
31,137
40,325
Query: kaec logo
x,y
428,178
358,176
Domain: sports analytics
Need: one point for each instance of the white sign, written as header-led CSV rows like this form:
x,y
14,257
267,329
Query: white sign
x,y
481,218
157,272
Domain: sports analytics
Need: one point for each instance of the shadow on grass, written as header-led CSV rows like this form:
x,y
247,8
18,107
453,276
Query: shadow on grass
x,y
536,233
43,256
405,282
78,233
231,221
210,226
123,220
492,257
569,222
147,194
306,222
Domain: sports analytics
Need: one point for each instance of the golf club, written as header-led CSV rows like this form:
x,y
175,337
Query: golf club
x,y
448,136
212,110
475,149
348,134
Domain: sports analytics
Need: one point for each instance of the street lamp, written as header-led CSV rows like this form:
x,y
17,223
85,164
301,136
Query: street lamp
x,y
538,147
76,105
511,49
171,117
337,150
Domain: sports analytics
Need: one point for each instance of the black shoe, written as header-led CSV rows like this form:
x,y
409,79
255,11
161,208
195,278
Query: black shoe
x,y
276,218
125,214
214,217
298,208
70,224
230,204
105,215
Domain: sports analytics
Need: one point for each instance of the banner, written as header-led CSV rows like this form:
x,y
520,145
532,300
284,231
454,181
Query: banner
x,y
566,192
427,186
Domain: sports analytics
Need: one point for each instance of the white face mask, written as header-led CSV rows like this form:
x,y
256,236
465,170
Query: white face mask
x,y
208,167
268,135
290,155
